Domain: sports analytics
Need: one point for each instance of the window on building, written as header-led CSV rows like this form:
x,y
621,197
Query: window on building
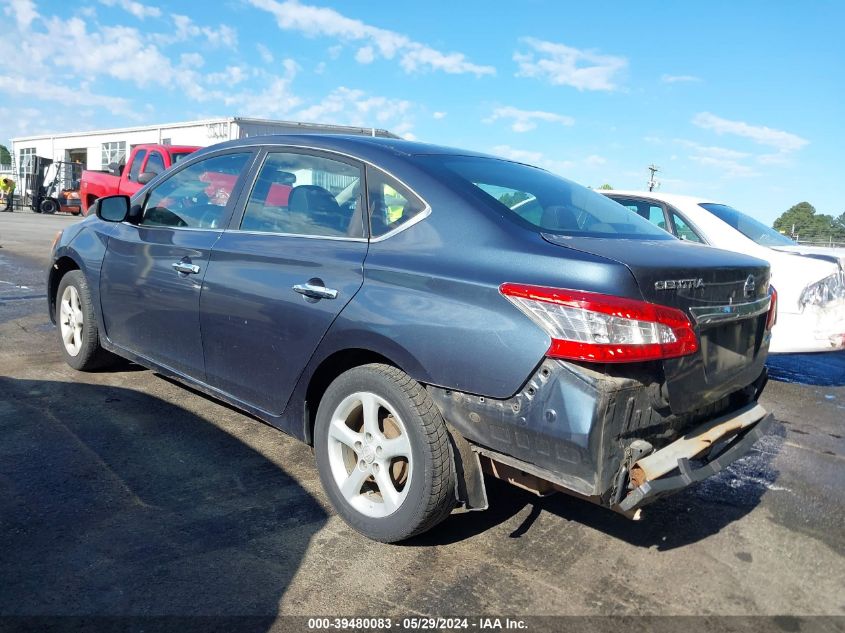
x,y
27,154
114,152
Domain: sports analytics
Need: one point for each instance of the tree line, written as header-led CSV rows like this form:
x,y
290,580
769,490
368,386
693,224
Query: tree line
x,y
801,222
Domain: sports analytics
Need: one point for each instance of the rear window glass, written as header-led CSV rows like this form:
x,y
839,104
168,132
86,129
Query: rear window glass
x,y
176,158
540,200
748,226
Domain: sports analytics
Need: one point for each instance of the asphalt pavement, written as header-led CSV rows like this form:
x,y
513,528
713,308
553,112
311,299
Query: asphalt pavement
x,y
123,493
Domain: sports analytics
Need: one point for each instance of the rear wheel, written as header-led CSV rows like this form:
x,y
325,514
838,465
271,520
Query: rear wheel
x,y
77,325
384,454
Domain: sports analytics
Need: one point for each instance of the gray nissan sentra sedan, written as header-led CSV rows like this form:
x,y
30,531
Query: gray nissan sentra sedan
x,y
423,316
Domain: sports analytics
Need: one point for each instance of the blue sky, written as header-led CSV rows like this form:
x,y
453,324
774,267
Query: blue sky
x,y
740,101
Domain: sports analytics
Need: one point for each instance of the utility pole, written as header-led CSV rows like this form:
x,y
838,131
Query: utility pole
x,y
652,183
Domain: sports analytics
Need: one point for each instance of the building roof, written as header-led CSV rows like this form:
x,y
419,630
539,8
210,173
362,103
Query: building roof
x,y
301,127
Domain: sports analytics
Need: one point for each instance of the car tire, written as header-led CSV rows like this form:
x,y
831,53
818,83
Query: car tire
x,y
48,206
76,323
389,473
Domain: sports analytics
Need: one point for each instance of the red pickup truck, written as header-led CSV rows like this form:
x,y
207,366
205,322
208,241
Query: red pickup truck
x,y
145,162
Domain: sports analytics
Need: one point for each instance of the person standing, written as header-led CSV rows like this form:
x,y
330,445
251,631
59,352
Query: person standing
x,y
7,186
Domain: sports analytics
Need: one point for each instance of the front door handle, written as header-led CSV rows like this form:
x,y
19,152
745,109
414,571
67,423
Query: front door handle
x,y
186,268
315,292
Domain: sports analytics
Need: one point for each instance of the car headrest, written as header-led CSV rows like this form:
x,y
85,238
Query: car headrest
x,y
311,198
559,217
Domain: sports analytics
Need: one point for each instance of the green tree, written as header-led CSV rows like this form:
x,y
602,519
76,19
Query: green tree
x,y
5,157
606,187
801,220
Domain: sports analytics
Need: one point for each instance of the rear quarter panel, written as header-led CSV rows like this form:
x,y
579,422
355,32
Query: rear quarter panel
x,y
431,303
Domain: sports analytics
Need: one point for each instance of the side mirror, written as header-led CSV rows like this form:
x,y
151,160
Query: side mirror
x,y
114,169
145,177
112,208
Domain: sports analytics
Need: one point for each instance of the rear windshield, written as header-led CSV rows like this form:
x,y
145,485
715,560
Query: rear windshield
x,y
748,226
176,157
540,200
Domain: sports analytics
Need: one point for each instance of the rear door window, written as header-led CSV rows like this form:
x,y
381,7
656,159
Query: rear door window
x,y
650,211
683,230
391,204
306,194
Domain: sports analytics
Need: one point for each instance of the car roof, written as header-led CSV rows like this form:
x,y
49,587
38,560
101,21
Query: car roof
x,y
671,198
356,144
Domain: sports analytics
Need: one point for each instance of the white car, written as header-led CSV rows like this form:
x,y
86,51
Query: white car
x,y
810,281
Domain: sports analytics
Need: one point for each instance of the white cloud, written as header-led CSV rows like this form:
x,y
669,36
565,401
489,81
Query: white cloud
x,y
313,21
711,151
365,55
264,53
780,140
76,95
137,9
533,158
231,76
563,65
675,79
348,106
23,11
729,168
186,29
594,160
729,162
525,120
439,115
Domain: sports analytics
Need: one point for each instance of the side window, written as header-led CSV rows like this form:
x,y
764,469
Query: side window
x,y
135,168
683,230
197,196
391,204
648,210
155,163
303,194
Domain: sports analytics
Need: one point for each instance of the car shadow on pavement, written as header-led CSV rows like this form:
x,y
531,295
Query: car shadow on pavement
x,y
115,502
822,369
682,519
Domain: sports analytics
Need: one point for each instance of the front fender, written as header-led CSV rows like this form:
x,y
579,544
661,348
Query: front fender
x,y
83,249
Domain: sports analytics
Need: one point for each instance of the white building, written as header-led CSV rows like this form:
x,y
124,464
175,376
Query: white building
x,y
97,148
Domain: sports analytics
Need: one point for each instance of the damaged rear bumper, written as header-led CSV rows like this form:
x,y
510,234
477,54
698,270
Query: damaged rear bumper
x,y
720,442
607,434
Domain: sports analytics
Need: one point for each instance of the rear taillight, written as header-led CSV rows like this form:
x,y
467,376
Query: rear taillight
x,y
772,316
601,328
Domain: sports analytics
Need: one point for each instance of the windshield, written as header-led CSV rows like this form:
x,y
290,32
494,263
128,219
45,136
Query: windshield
x,y
748,226
540,200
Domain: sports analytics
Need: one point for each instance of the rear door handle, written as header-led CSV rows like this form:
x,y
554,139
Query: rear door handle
x,y
315,292
186,268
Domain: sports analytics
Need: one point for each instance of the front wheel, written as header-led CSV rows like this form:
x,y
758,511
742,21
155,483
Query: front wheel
x,y
383,453
48,206
78,333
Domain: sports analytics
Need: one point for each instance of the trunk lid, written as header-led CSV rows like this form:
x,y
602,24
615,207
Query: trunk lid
x,y
722,292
